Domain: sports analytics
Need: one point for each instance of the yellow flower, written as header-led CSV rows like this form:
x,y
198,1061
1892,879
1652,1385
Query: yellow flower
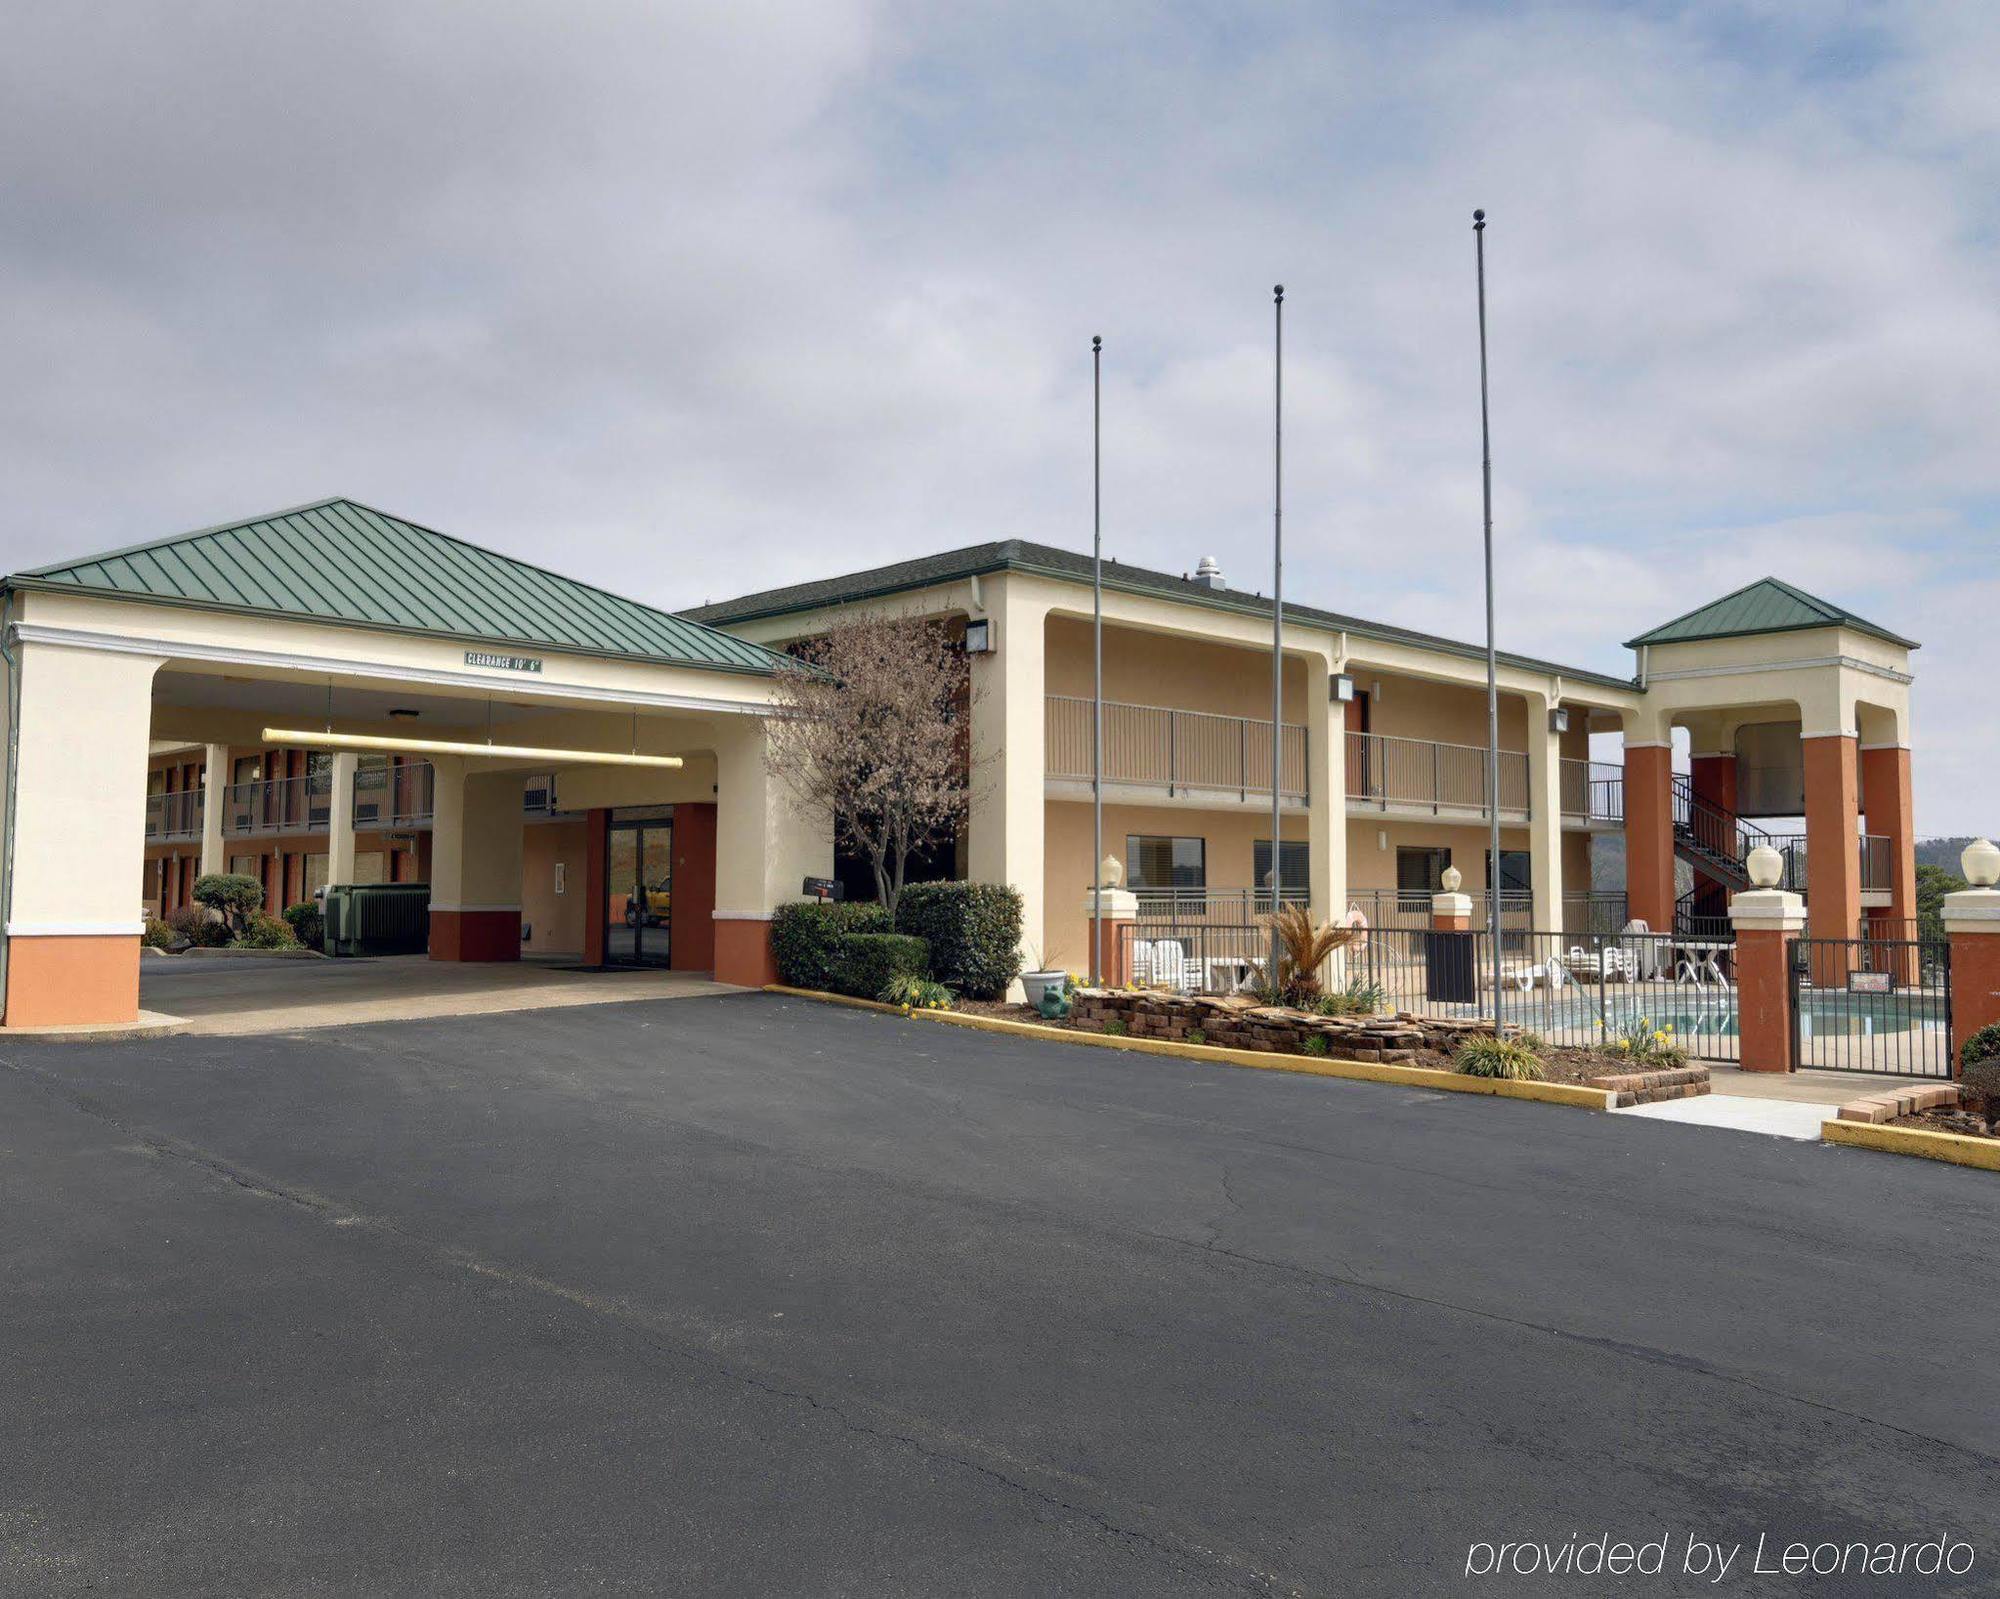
x,y
1659,1038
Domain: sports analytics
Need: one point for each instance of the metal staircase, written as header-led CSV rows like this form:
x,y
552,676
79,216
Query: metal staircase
x,y
1715,842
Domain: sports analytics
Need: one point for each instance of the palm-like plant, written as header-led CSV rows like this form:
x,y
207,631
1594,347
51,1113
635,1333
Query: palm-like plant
x,y
1303,946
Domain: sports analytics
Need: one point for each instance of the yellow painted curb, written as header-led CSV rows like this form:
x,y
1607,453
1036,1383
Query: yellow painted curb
x,y
1984,1153
1256,1059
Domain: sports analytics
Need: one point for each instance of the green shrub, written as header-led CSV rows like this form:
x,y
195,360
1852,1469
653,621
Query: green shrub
x,y
915,993
1497,1057
1979,1072
806,937
160,935
1116,1028
199,928
973,930
266,932
1982,1045
308,923
1196,1036
233,894
867,963
1358,998
1314,1044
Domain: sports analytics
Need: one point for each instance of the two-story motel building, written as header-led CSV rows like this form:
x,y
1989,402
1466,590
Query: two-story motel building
x,y
333,694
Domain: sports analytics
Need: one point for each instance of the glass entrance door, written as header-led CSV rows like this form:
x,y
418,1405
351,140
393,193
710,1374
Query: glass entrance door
x,y
639,881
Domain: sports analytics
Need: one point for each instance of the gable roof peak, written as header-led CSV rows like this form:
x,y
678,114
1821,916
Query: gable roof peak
x,y
338,560
1767,605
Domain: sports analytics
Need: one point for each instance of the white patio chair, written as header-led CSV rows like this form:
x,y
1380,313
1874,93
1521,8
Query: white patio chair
x,y
1172,966
1142,960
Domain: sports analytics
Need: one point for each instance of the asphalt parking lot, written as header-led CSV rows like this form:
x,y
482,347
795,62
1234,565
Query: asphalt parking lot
x,y
745,1294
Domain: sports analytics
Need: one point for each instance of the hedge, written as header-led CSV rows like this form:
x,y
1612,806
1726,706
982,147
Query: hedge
x,y
308,923
973,930
865,963
807,935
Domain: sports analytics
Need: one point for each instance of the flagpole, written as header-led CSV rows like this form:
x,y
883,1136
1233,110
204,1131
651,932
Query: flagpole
x,y
1493,876
1097,656
1277,610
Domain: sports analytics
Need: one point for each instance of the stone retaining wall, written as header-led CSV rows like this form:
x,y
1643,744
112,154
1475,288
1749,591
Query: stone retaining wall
x,y
1232,1023
1236,1023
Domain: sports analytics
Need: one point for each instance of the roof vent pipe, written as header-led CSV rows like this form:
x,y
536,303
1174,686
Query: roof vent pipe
x,y
1208,573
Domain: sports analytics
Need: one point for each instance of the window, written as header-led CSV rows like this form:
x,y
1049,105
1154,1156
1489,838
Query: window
x,y
1154,862
247,866
315,874
248,769
1419,874
1517,872
1294,865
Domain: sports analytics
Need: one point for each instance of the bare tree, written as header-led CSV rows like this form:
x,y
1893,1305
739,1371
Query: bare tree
x,y
871,735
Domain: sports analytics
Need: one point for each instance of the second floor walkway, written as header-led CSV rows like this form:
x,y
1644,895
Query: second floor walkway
x,y
1209,759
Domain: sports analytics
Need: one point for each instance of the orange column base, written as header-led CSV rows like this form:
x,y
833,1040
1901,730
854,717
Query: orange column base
x,y
68,982
475,935
743,951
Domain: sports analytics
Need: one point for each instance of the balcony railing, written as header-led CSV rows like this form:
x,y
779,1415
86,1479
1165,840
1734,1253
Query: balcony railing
x,y
1593,791
1181,752
1878,862
278,805
174,815
395,796
1385,772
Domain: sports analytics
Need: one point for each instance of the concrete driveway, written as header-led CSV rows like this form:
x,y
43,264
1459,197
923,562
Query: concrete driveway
x,y
751,1295
232,995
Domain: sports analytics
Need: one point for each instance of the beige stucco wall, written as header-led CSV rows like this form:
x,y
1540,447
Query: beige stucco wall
x,y
554,920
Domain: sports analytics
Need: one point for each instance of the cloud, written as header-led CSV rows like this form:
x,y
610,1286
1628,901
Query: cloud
x,y
639,291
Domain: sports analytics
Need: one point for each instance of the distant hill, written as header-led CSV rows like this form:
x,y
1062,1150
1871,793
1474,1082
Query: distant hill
x,y
1941,852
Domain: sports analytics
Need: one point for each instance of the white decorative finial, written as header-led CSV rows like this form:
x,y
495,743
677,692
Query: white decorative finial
x,y
1980,862
1450,878
1765,866
1112,872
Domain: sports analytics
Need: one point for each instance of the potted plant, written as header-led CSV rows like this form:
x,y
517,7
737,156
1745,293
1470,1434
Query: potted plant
x,y
1047,977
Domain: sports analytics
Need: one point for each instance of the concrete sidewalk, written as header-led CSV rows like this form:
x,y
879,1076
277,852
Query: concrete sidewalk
x,y
250,995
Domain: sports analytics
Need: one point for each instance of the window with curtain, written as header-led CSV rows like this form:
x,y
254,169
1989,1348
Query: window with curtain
x,y
1419,874
1159,862
1294,867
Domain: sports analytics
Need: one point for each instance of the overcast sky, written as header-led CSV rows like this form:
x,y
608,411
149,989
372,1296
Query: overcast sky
x,y
689,300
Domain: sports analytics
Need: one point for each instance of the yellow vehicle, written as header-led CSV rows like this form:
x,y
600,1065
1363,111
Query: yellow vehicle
x,y
659,901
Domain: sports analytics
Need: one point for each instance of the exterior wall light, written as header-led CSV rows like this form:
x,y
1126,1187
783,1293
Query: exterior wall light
x,y
1343,688
979,637
1559,719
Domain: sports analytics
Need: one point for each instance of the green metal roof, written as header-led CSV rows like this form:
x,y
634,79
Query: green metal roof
x,y
1017,555
340,561
1765,606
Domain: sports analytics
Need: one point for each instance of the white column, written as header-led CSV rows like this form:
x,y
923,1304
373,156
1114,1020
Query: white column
x,y
1545,855
1326,790
74,908
340,820
214,796
1008,762
765,848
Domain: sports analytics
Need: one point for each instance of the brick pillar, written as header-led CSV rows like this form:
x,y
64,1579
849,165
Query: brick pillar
x,y
1112,933
1885,787
1766,921
1833,836
1972,923
1649,835
1451,913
